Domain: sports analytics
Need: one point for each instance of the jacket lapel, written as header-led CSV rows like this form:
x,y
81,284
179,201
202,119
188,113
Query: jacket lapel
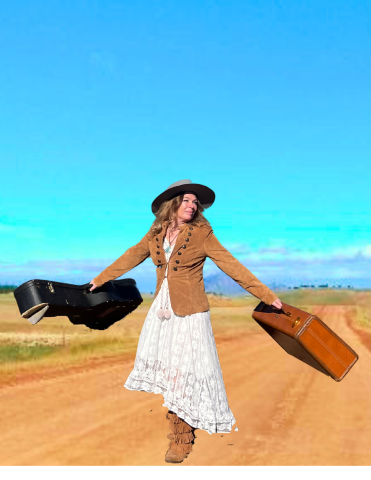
x,y
160,243
180,240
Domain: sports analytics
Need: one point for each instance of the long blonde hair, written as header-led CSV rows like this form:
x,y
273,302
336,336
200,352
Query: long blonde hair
x,y
167,213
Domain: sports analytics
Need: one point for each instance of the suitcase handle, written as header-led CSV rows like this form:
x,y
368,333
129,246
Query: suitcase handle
x,y
289,314
89,287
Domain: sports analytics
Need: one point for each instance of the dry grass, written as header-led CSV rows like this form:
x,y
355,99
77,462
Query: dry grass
x,y
363,316
34,339
56,341
71,344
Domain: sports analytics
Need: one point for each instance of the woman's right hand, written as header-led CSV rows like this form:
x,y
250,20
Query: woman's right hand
x,y
94,286
277,303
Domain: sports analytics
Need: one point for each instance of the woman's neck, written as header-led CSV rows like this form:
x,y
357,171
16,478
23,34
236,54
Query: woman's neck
x,y
176,224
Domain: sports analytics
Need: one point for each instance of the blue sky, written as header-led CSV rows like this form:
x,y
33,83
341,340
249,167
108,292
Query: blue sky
x,y
105,104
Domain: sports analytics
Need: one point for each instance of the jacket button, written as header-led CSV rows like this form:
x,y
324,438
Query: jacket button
x,y
187,239
158,253
158,246
179,253
156,239
160,266
159,260
184,246
177,261
191,228
175,268
190,234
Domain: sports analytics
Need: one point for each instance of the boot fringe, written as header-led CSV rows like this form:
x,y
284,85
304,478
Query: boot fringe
x,y
181,428
173,417
181,437
181,448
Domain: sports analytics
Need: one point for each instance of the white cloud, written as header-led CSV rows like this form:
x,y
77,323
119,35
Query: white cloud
x,y
283,253
266,263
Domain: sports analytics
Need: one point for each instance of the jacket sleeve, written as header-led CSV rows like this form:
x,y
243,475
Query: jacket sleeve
x,y
234,269
130,259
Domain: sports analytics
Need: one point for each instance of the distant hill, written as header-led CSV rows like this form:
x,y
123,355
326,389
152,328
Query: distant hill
x,y
221,283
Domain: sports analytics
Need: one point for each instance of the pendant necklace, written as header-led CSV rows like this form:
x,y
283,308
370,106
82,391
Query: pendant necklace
x,y
167,249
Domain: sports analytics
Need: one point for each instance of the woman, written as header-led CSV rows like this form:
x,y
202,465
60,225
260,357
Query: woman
x,y
176,353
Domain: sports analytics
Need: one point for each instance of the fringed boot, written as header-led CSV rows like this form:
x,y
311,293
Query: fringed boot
x,y
181,436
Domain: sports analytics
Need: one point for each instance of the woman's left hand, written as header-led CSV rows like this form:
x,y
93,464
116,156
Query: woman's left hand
x,y
277,303
94,286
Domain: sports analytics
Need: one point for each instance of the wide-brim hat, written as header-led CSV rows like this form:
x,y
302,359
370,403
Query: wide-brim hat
x,y
205,195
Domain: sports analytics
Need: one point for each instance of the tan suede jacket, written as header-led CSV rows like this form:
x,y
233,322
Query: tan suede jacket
x,y
185,271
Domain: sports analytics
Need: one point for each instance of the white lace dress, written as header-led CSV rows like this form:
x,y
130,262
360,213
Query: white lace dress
x,y
178,358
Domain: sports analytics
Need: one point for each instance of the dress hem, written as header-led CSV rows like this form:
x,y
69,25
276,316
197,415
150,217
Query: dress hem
x,y
172,407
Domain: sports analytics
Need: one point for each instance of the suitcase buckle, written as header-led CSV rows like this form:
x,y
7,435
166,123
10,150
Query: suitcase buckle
x,y
51,288
297,321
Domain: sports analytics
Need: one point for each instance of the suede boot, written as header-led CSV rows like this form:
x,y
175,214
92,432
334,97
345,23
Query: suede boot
x,y
181,436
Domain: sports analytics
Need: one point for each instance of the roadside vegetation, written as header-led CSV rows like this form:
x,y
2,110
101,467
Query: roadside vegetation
x,y
56,342
7,288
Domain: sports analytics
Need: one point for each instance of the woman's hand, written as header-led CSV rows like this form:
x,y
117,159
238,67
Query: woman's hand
x,y
277,303
94,286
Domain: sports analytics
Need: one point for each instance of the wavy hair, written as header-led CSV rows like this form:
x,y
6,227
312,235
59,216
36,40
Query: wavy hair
x,y
167,213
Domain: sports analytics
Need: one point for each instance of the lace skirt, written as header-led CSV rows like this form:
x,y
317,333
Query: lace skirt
x,y
178,358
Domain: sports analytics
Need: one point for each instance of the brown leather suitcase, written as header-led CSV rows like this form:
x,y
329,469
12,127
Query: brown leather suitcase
x,y
307,338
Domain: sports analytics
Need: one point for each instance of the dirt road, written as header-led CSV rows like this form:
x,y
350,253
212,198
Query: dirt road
x,y
286,412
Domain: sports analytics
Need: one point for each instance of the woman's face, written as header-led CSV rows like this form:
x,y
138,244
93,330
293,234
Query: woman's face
x,y
187,208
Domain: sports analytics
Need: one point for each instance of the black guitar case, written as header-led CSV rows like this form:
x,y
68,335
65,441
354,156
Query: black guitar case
x,y
98,309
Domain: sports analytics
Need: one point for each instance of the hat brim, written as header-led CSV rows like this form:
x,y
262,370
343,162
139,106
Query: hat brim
x,y
205,195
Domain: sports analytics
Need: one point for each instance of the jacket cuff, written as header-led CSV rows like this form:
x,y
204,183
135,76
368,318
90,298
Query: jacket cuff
x,y
269,298
97,282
